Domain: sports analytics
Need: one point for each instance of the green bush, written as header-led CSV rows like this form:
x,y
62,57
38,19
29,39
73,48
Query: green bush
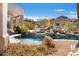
x,y
21,29
70,26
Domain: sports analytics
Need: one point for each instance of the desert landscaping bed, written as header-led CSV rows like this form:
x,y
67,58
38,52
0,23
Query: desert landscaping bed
x,y
62,49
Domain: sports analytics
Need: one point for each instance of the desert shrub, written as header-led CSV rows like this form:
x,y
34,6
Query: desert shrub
x,y
28,50
70,26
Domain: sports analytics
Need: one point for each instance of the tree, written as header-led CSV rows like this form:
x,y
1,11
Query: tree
x,y
21,29
29,24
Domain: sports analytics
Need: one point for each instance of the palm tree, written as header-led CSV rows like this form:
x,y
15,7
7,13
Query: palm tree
x,y
49,24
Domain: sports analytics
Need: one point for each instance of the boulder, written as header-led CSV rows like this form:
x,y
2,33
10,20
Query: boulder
x,y
48,41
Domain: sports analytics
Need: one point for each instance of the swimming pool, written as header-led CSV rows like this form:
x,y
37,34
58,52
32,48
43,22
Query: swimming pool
x,y
37,38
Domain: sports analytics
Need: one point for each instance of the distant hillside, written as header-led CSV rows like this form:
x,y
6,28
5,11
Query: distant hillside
x,y
62,18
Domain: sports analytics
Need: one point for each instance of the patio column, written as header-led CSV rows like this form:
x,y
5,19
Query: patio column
x,y
3,27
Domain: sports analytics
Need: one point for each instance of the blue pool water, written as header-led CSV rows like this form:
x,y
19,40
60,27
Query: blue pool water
x,y
37,38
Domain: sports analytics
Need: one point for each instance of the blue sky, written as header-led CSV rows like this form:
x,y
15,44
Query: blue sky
x,y
48,9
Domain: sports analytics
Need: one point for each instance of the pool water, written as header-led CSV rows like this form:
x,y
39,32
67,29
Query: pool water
x,y
37,38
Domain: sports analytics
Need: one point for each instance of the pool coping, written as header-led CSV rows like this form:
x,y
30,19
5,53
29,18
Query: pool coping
x,y
14,40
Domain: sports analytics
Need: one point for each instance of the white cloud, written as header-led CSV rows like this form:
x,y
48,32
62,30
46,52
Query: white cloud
x,y
68,13
72,12
65,11
35,18
60,10
72,16
25,16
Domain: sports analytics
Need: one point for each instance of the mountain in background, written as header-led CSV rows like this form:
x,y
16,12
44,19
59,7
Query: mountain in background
x,y
62,18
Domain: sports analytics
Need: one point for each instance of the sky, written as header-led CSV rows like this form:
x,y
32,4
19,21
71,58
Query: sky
x,y
48,10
